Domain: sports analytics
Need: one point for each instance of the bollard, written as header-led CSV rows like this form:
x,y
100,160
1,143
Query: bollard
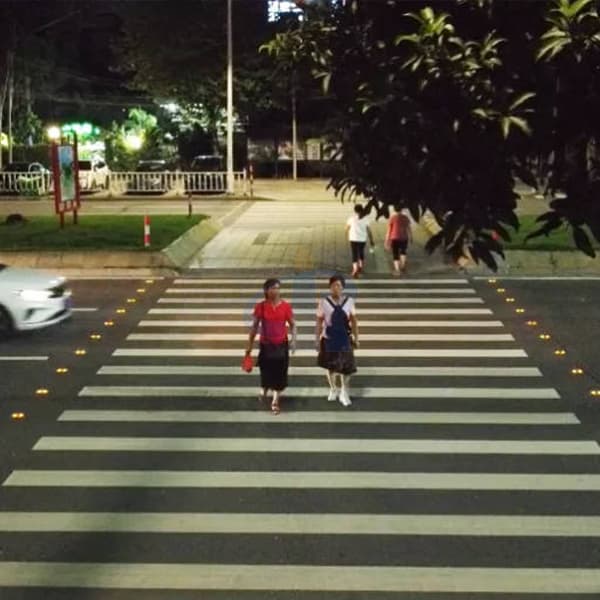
x,y
190,209
251,172
146,231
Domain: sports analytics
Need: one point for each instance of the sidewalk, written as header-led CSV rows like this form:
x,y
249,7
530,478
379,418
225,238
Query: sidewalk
x,y
294,236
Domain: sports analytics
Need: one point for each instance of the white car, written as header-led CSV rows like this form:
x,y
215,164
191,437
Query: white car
x,y
31,299
93,174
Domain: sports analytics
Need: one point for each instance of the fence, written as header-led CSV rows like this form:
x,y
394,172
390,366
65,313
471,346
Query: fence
x,y
25,183
177,183
120,183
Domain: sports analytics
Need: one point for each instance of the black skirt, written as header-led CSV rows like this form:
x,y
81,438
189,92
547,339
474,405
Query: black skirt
x,y
273,362
338,362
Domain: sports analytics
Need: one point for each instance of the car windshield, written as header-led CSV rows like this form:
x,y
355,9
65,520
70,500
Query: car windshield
x,y
152,166
84,165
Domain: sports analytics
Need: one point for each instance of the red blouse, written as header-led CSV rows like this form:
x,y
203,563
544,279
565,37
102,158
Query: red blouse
x,y
274,321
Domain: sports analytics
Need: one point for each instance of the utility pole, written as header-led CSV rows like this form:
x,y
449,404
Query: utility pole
x,y
11,95
294,136
230,176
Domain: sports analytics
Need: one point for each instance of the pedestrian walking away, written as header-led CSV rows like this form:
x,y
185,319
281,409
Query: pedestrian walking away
x,y
336,339
358,231
397,239
274,317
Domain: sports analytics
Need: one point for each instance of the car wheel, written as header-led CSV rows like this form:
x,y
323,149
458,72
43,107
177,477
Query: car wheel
x,y
7,327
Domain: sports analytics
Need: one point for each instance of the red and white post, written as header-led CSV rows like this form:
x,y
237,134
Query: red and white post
x,y
146,231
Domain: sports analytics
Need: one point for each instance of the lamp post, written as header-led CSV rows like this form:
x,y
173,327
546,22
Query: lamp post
x,y
230,180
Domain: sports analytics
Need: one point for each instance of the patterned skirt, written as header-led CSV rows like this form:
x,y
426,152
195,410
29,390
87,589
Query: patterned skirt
x,y
338,362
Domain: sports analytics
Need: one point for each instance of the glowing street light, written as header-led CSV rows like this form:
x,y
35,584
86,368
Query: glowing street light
x,y
133,141
53,132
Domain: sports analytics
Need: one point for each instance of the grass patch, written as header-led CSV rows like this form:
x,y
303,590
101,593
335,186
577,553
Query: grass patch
x,y
560,239
94,232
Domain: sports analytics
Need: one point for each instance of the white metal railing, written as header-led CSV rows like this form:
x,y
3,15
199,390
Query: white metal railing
x,y
25,183
178,183
175,183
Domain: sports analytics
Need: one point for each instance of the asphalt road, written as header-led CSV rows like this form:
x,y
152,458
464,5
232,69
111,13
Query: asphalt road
x,y
449,475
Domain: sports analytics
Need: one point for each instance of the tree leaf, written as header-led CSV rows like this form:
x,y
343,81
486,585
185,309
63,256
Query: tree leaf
x,y
521,100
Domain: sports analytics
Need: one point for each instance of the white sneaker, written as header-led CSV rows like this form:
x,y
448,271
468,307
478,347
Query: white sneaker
x,y
333,395
344,398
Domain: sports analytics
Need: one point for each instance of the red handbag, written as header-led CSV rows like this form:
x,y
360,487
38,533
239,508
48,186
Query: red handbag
x,y
247,363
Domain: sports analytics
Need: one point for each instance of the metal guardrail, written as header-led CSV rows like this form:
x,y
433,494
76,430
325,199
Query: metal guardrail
x,y
172,183
25,183
177,183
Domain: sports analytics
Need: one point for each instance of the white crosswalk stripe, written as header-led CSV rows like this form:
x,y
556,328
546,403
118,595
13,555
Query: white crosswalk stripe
x,y
301,480
441,371
317,392
430,353
369,300
311,523
365,337
240,416
453,435
317,293
357,446
311,311
364,323
298,579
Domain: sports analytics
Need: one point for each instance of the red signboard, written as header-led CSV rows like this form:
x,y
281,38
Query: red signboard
x,y
65,171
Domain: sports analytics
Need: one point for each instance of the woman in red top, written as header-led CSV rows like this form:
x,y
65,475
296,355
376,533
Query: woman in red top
x,y
397,238
273,315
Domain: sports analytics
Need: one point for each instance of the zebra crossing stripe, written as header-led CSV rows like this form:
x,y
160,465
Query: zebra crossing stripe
x,y
364,417
298,578
304,337
364,324
302,524
318,392
312,311
305,353
415,300
198,370
319,292
14,358
323,281
351,480
312,445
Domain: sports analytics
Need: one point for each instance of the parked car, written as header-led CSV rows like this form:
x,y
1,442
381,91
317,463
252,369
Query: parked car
x,y
25,178
207,162
31,299
154,176
93,174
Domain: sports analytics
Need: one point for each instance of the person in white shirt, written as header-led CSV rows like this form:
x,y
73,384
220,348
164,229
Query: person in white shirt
x,y
358,231
336,339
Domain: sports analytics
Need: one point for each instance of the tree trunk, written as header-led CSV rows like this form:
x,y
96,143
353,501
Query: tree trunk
x,y
29,110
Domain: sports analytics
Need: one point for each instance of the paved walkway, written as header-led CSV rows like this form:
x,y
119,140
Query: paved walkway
x,y
296,236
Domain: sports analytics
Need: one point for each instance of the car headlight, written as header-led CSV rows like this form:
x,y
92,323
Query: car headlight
x,y
35,295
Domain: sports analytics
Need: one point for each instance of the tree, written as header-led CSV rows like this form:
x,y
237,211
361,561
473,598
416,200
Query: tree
x,y
570,47
186,63
423,120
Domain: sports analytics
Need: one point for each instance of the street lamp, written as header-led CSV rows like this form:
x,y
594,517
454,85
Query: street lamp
x,y
53,132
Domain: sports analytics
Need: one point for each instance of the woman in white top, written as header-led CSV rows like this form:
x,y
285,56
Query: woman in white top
x,y
358,231
337,335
